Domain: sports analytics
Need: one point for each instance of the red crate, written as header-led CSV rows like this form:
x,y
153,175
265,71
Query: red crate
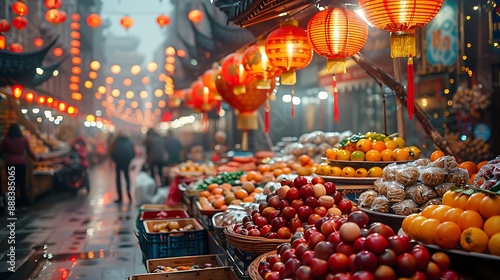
x,y
164,214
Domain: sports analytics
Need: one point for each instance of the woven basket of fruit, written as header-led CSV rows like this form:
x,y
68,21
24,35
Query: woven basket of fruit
x,y
253,269
252,244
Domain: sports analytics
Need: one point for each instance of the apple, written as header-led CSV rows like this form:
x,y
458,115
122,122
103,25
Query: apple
x,y
294,224
388,257
306,191
301,249
319,268
269,196
366,260
320,222
282,248
303,273
246,219
297,203
407,264
273,275
274,214
288,254
340,222
337,196
337,262
335,211
248,225
399,244
381,228
283,203
283,272
254,232
292,194
284,233
286,182
345,248
274,202
334,238
351,264
319,190
329,276
271,235
267,211
359,244
272,259
363,275
433,271
309,230
364,232
282,191
449,275
328,227
288,212
342,276
384,272
324,249
263,264
304,212
307,256
297,235
254,211
349,232
313,218
278,223
377,243
358,217
320,210
345,206
315,238
422,255
263,206
291,266
277,266
317,180
266,229
244,231
261,221
330,187
299,182
326,201
312,202
264,271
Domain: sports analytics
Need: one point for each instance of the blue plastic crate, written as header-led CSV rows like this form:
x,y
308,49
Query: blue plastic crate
x,y
241,259
175,244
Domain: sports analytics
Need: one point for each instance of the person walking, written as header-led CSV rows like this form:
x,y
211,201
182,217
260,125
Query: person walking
x,y
122,153
16,147
155,153
174,148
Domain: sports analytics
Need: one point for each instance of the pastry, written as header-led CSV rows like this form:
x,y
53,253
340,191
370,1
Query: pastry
x,y
458,176
443,188
422,162
380,187
407,176
366,198
380,204
432,201
422,193
405,207
446,162
432,176
389,172
395,192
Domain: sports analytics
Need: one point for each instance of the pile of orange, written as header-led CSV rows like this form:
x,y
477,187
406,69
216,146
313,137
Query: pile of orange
x,y
470,222
303,166
220,196
390,149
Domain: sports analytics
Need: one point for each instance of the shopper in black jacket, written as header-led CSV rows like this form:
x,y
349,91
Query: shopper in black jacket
x,y
122,153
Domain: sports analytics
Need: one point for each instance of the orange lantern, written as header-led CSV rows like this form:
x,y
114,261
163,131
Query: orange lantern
x,y
94,20
55,104
74,87
19,8
402,18
76,70
38,42
72,110
19,22
75,43
208,79
202,99
4,25
58,51
17,91
29,97
3,42
247,104
16,47
195,16
76,60
50,100
74,51
163,20
76,96
55,16
126,22
62,107
75,35
74,79
53,4
337,33
41,100
233,72
75,17
75,25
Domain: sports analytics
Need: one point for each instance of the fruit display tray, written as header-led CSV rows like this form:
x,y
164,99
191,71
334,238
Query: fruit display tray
x,y
350,180
361,164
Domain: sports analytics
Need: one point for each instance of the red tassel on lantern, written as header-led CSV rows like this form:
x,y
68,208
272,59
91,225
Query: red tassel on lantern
x,y
267,117
410,88
335,100
291,101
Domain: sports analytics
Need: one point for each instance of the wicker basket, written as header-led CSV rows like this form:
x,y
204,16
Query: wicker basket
x,y
252,244
253,269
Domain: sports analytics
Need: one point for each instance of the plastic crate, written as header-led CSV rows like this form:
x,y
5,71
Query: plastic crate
x,y
154,215
240,259
174,244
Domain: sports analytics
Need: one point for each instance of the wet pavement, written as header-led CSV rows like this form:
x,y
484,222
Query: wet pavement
x,y
86,236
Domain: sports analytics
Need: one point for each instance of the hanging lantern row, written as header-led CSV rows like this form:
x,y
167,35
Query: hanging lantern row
x,y
29,97
55,16
19,8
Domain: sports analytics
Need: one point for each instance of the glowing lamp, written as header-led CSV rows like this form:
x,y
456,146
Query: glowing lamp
x,y
17,91
50,100
94,20
3,42
208,79
62,106
29,97
163,20
4,25
76,70
55,16
95,65
75,43
75,25
195,16
38,42
115,69
75,17
75,35
74,87
53,4
76,60
41,100
76,96
74,79
93,75
71,110
20,22
16,47
233,72
19,8
257,64
74,51
126,22
58,51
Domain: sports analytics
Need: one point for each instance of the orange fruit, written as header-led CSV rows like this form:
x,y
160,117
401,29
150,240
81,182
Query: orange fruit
x,y
364,145
212,187
343,154
331,153
223,207
217,191
439,212
414,226
436,154
304,159
277,172
205,193
449,197
401,154
286,170
240,194
470,166
350,147
452,215
494,244
348,171
460,201
473,201
407,220
226,186
469,219
391,145
251,175
264,168
474,240
471,179
441,259
219,202
361,172
373,155
447,235
257,177
428,210
378,146
489,206
481,164
387,155
427,229
249,199
492,225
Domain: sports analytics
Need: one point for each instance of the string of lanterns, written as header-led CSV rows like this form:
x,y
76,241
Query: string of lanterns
x,y
30,97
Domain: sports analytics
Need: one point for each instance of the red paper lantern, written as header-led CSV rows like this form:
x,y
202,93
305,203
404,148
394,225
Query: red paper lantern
x,y
4,25
163,20
17,91
75,25
58,52
62,107
3,42
233,72
126,22
72,110
94,20
41,100
75,17
55,16
195,16
19,22
19,8
288,49
38,42
208,79
29,97
257,64
202,99
16,47
53,4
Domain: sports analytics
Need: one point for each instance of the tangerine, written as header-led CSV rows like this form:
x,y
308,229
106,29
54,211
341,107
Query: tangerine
x,y
436,154
474,239
439,212
401,154
217,191
460,201
364,145
449,197
474,200
470,166
428,210
481,164
212,187
414,226
447,235
375,172
427,229
277,172
336,171
286,170
205,193
331,153
492,225
400,141
240,193
219,202
452,215
361,172
304,160
264,168
348,172
407,220
469,219
441,259
387,155
373,155
378,146
350,147
391,145
249,198
494,244
490,206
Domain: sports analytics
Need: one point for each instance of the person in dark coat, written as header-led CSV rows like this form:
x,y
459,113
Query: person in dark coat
x,y
122,153
16,147
155,153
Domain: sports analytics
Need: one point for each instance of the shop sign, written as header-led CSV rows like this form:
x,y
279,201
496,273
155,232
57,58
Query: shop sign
x,y
482,131
441,36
